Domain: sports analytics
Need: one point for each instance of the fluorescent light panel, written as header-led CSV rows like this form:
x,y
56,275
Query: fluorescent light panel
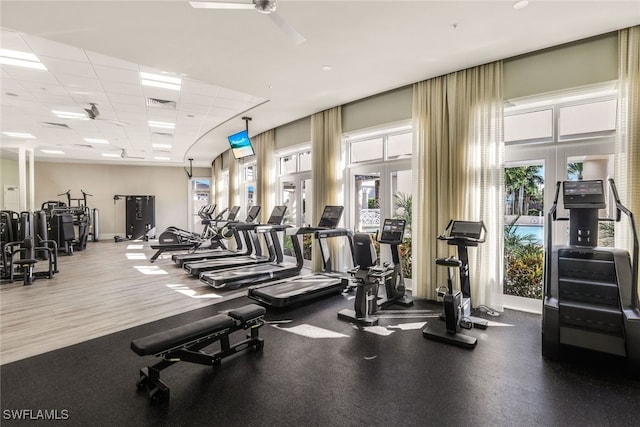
x,y
159,80
52,151
163,125
162,158
161,146
70,115
21,59
96,141
110,155
19,135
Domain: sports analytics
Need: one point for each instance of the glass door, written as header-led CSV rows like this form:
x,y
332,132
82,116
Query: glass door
x,y
198,197
294,194
381,191
524,228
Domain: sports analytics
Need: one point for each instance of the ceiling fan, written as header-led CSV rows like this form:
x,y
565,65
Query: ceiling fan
x,y
94,114
268,7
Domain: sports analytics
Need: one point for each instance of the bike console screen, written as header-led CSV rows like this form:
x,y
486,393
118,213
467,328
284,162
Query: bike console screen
x,y
392,231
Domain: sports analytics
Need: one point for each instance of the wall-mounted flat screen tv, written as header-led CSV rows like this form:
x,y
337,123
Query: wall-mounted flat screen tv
x,y
241,145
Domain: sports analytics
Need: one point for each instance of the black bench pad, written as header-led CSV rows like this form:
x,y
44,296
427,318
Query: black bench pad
x,y
166,340
247,312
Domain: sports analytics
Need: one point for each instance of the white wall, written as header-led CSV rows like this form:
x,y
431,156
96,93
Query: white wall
x,y
169,185
584,62
9,175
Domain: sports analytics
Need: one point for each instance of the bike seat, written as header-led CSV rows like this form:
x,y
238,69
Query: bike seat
x,y
449,262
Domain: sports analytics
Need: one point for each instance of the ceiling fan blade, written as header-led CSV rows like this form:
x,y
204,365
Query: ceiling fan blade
x,y
291,32
220,5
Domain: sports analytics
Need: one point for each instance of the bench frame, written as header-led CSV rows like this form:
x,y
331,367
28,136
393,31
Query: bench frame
x,y
191,352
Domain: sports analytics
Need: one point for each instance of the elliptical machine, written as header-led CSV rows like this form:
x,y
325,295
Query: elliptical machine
x,y
369,276
457,302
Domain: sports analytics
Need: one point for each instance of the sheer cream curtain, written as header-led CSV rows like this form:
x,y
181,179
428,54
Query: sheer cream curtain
x,y
234,198
458,163
266,186
216,173
326,170
627,158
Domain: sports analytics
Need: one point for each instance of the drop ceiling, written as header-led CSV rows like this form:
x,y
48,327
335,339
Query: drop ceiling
x,y
235,63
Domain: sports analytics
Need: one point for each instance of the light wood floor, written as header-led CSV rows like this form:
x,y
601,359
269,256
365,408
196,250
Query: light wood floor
x,y
104,289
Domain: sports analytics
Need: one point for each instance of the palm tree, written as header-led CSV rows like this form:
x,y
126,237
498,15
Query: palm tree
x,y
575,170
522,185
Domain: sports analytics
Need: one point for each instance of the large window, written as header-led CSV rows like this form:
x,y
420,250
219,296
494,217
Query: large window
x,y
380,183
294,193
565,137
248,176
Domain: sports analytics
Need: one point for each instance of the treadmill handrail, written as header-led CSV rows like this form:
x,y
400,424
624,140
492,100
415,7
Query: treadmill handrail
x,y
634,264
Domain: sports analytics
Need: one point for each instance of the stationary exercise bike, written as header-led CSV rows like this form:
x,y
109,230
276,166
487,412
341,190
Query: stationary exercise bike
x,y
368,276
457,302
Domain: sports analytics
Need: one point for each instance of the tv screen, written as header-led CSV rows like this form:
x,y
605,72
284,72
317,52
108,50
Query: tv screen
x,y
240,144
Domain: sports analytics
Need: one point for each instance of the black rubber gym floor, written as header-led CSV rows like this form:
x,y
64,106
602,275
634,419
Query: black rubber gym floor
x,y
352,377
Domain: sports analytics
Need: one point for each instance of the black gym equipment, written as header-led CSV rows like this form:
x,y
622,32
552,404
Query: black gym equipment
x,y
186,343
180,237
72,223
140,216
245,241
269,232
20,257
309,287
590,292
276,270
457,302
368,276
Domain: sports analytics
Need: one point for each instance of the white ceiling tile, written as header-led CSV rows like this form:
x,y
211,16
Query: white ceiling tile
x,y
203,89
113,74
12,40
108,61
63,66
44,47
127,89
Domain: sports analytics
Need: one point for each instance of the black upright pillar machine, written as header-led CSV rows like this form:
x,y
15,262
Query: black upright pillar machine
x,y
590,292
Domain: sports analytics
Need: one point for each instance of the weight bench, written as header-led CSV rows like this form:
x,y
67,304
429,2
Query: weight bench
x,y
185,343
173,247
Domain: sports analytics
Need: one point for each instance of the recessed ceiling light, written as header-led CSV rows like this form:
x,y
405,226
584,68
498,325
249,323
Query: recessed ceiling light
x,y
70,115
161,146
521,4
52,151
96,141
327,68
163,125
21,59
110,155
19,135
159,80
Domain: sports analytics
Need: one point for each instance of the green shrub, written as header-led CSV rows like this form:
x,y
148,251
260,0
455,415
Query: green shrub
x,y
524,271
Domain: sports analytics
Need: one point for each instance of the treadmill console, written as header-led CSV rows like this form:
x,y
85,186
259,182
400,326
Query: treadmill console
x,y
277,215
330,216
392,231
253,213
233,212
583,194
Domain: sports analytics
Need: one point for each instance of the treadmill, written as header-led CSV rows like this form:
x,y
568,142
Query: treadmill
x,y
198,268
300,289
231,224
275,270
